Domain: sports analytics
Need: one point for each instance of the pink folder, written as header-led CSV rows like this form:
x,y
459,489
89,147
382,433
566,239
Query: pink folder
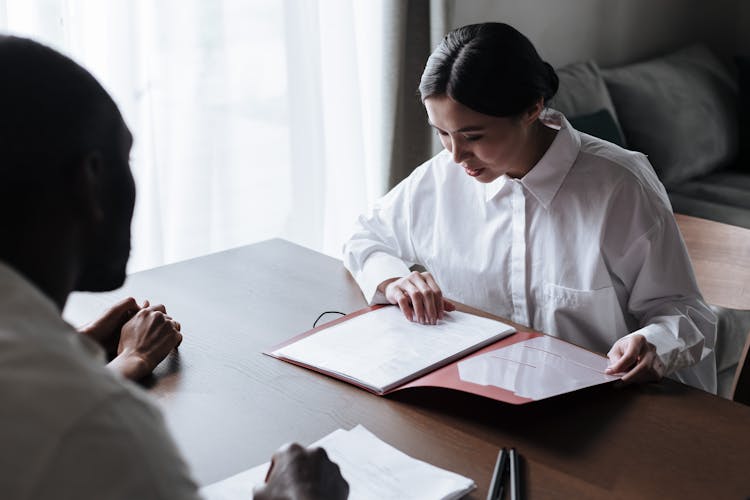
x,y
517,369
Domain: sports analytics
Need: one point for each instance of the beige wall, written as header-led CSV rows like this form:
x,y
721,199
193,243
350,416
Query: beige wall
x,y
615,32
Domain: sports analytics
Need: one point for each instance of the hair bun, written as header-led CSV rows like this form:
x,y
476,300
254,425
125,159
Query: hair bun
x,y
553,82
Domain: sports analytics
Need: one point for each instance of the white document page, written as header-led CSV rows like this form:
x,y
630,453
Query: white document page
x,y
537,368
374,470
382,349
239,486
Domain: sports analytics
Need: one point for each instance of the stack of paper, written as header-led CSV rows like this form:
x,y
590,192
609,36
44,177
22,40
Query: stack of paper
x,y
381,350
373,469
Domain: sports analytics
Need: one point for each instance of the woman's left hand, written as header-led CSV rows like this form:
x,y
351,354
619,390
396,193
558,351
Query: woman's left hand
x,y
637,357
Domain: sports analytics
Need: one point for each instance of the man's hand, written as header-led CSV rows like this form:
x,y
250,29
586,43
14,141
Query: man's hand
x,y
106,330
418,296
300,474
637,357
145,341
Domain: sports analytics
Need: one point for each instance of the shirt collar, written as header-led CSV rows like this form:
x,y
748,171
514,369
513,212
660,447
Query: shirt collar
x,y
17,292
545,178
494,187
22,303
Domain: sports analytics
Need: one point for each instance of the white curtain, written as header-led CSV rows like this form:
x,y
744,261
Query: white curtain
x,y
252,119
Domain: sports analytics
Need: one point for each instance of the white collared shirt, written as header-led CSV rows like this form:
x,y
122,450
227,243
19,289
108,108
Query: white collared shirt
x,y
69,427
583,247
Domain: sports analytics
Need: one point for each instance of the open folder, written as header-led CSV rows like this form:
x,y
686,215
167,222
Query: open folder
x,y
377,349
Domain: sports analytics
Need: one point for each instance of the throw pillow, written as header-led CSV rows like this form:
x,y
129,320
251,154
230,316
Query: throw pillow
x,y
680,110
743,74
582,92
599,124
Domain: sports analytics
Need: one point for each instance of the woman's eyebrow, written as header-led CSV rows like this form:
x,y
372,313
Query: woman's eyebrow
x,y
471,128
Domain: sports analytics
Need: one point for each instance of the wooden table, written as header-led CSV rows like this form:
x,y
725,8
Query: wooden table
x,y
230,407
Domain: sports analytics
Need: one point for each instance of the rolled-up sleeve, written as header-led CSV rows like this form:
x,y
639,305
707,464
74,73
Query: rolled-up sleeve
x,y
380,247
664,294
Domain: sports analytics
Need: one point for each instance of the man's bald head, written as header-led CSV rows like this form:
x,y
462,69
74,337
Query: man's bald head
x,y
52,111
66,191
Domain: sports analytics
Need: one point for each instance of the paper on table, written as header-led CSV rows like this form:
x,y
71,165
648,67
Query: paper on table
x,y
239,486
537,368
382,350
373,469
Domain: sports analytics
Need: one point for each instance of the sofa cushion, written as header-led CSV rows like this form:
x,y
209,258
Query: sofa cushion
x,y
731,190
735,177
723,196
704,209
582,93
600,124
680,110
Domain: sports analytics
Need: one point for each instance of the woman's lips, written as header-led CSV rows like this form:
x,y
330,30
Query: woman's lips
x,y
473,171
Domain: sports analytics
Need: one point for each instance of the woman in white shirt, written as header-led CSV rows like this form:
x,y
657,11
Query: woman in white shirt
x,y
526,218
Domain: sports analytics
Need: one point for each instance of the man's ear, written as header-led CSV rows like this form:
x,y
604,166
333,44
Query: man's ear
x,y
87,185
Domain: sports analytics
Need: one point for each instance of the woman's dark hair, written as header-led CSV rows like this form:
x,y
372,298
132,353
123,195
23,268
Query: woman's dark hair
x,y
491,68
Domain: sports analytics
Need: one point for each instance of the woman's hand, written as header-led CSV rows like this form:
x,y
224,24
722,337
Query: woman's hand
x,y
145,341
418,296
637,357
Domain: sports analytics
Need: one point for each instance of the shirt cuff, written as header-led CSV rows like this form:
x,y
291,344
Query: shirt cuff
x,y
668,348
377,268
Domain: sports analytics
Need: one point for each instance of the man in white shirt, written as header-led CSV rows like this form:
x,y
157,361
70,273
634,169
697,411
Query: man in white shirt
x,y
69,427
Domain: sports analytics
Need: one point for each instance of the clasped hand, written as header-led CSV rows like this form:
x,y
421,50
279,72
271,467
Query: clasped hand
x,y
135,337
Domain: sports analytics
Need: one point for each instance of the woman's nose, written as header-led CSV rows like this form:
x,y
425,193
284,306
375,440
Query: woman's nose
x,y
459,153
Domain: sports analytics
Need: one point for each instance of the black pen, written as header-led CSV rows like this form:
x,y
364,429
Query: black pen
x,y
515,478
496,486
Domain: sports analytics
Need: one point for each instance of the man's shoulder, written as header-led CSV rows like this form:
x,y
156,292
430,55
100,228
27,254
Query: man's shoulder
x,y
62,406
49,386
50,375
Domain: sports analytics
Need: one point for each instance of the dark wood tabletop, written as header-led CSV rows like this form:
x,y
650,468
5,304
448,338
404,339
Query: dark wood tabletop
x,y
229,406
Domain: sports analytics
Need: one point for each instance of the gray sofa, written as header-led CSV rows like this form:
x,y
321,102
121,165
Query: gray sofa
x,y
684,110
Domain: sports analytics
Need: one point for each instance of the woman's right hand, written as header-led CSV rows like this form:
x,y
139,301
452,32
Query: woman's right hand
x,y
418,296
